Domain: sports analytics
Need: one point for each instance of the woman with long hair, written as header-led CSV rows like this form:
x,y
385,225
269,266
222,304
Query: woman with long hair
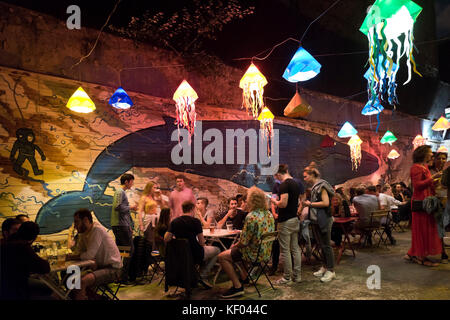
x,y
320,214
161,228
149,207
424,235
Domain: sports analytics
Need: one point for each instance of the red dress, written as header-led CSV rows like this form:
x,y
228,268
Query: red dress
x,y
424,235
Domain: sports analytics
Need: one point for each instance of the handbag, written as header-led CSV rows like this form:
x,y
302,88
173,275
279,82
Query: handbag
x,y
417,205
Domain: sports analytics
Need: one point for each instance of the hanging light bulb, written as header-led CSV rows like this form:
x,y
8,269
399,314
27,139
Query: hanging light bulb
x,y
298,107
393,154
266,124
252,84
355,151
184,98
80,102
386,23
388,138
347,130
418,141
120,99
302,67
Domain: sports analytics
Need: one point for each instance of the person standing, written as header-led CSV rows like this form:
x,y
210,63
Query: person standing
x,y
320,207
148,205
424,235
180,194
288,226
121,223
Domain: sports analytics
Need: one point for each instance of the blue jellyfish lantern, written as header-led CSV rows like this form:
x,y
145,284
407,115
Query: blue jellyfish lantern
x,y
382,81
120,99
347,130
302,67
372,107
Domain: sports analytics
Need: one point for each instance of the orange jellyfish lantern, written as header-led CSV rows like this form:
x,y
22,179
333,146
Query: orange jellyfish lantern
x,y
266,124
252,84
418,141
441,125
184,98
393,154
355,151
442,149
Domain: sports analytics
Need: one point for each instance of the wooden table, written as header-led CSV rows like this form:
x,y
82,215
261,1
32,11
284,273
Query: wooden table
x,y
344,223
56,282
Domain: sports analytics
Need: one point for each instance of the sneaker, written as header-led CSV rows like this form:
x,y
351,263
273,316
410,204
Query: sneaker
x,y
328,276
283,281
205,283
320,273
233,292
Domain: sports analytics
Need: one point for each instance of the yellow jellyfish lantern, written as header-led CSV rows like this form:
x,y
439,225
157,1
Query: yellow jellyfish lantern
x,y
393,154
80,102
266,124
418,141
252,84
184,98
355,151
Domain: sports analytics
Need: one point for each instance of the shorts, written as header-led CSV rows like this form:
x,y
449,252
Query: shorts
x,y
236,255
106,275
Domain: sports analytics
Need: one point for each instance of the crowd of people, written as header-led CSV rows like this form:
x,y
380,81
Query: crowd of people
x,y
291,210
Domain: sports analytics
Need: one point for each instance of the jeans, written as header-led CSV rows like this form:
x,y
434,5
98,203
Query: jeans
x,y
325,243
124,237
288,238
210,259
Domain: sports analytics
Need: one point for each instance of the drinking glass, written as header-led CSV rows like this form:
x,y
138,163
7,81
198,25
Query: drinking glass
x,y
229,226
212,227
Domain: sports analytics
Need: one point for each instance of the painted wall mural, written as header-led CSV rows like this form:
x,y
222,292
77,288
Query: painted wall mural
x,y
55,161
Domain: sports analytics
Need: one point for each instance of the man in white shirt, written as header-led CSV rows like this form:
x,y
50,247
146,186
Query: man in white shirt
x,y
387,201
94,243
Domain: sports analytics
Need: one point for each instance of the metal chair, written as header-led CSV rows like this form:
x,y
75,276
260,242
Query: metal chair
x,y
376,226
105,289
267,239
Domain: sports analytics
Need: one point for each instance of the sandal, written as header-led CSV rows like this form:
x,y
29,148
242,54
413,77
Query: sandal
x,y
425,262
407,257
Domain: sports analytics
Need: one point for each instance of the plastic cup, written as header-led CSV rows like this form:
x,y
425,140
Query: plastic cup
x,y
212,227
229,226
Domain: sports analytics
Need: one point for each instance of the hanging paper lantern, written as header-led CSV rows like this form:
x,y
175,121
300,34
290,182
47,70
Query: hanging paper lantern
x,y
355,151
80,102
266,124
393,154
388,138
442,149
441,124
298,107
327,142
384,25
386,86
120,99
302,67
418,141
372,107
347,130
252,84
184,98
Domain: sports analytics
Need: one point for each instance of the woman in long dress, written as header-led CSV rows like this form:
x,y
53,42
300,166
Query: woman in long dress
x,y
424,235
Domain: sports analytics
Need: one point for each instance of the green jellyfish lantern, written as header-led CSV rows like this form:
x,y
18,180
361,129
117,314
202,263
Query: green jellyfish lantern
x,y
389,29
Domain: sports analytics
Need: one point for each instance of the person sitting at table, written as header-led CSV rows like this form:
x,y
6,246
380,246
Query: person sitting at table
x,y
23,218
160,230
258,222
239,199
9,227
188,227
338,209
201,213
94,243
364,204
234,215
17,261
